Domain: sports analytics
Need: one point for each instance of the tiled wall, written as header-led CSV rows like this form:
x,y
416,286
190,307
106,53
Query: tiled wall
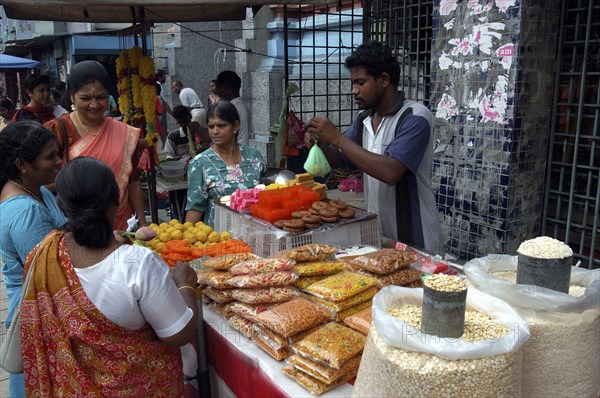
x,y
491,92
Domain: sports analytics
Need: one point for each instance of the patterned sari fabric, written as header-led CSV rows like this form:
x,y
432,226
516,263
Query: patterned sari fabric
x,y
70,349
115,145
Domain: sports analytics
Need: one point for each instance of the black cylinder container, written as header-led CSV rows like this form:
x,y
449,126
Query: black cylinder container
x,y
443,313
552,273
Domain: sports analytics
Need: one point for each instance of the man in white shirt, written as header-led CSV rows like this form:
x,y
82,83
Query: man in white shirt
x,y
228,88
190,99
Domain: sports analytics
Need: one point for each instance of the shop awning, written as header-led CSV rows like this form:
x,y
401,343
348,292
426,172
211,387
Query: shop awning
x,y
121,11
9,62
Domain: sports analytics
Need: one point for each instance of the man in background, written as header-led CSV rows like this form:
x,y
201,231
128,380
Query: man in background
x,y
228,89
190,99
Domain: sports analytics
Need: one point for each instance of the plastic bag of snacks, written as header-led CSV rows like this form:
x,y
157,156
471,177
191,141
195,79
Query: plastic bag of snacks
x,y
265,279
341,286
322,373
564,327
248,311
384,261
319,268
332,345
292,317
278,355
310,252
305,281
337,306
310,383
399,278
268,295
275,341
219,296
221,309
340,316
216,279
260,265
361,321
227,261
301,335
244,326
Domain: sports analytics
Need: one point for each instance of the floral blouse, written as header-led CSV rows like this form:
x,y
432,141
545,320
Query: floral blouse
x,y
210,178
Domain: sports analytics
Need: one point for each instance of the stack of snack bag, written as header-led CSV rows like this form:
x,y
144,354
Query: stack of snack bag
x,y
326,358
312,263
343,294
258,283
361,321
388,267
282,323
214,277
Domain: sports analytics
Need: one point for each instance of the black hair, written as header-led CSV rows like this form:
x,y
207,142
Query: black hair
x,y
61,86
229,78
223,110
33,80
86,189
158,88
56,94
376,58
86,72
180,111
24,139
5,102
159,73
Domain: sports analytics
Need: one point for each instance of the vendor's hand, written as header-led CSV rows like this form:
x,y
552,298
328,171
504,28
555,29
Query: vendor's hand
x,y
183,274
118,234
324,130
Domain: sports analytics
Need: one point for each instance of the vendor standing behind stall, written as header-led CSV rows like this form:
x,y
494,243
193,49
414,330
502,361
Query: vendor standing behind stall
x,y
224,167
391,142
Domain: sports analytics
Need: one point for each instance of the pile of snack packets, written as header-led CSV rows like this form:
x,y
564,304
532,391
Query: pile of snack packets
x,y
304,306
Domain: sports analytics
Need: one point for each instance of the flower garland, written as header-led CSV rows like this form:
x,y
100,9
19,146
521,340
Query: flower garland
x,y
135,56
124,86
148,97
191,143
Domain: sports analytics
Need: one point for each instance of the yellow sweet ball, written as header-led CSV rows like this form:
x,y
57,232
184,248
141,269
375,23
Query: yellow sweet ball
x,y
153,226
163,226
174,221
190,237
164,237
225,236
202,236
160,247
199,224
188,224
214,237
207,229
179,227
176,235
198,245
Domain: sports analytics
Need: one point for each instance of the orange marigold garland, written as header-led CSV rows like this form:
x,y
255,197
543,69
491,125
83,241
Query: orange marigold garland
x,y
124,86
148,95
135,55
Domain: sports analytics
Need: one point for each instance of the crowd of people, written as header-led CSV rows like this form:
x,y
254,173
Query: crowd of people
x,y
69,183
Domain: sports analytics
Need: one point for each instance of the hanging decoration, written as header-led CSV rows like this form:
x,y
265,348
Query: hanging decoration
x,y
135,56
148,97
124,86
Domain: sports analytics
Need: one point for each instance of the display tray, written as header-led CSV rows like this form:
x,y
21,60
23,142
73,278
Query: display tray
x,y
267,240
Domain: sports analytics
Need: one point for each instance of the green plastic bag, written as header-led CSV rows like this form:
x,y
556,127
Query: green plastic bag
x,y
316,163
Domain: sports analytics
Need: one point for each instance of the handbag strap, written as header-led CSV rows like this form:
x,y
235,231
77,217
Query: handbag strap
x,y
30,270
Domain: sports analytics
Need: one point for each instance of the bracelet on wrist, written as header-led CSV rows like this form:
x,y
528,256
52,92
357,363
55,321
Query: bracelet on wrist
x,y
180,288
339,145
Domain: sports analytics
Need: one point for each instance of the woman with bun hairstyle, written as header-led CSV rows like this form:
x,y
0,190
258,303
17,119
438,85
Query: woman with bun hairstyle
x,y
7,111
224,167
111,316
28,211
90,133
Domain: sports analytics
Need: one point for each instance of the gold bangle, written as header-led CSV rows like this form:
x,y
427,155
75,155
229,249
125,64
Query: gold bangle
x,y
340,143
186,287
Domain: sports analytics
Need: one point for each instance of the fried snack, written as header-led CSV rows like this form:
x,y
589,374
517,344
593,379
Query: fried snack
x,y
349,302
341,286
338,204
222,309
292,317
260,265
268,295
310,252
415,284
318,268
313,385
244,326
227,261
398,278
300,213
361,321
353,310
220,296
216,279
265,279
278,355
300,336
248,311
305,281
324,374
347,213
275,341
332,344
384,261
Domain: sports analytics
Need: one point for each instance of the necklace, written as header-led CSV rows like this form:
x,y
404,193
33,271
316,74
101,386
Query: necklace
x,y
85,129
233,156
38,198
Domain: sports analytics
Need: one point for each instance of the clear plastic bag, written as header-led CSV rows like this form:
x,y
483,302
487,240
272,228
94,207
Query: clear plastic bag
x,y
383,261
337,306
292,317
332,344
319,268
268,295
316,163
324,374
278,355
265,279
227,261
341,286
262,265
313,385
309,252
216,279
305,281
361,321
219,296
248,311
244,326
275,341
340,316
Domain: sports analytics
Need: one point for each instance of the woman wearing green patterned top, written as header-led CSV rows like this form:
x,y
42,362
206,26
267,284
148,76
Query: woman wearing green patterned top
x,y
223,168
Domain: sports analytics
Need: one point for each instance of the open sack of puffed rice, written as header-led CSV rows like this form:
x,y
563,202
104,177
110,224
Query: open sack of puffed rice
x,y
401,361
562,358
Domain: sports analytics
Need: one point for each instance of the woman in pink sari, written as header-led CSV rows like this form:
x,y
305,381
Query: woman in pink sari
x,y
90,133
